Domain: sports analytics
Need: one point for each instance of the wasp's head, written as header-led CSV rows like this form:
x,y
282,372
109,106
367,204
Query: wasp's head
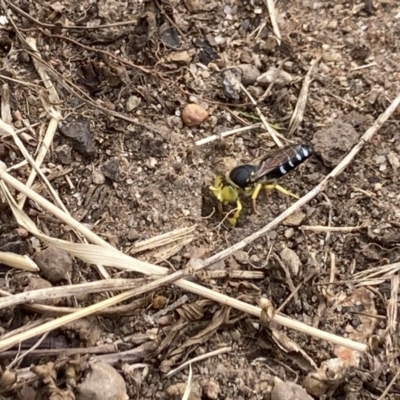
x,y
224,191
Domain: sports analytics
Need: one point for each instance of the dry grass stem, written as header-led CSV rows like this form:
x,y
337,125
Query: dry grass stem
x,y
102,349
5,344
112,257
321,228
237,274
69,290
162,240
382,273
199,358
125,309
391,383
54,113
20,357
5,104
188,388
298,112
19,262
393,305
272,15
226,133
273,133
364,66
23,328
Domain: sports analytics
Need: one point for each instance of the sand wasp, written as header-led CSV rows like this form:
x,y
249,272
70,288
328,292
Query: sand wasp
x,y
251,178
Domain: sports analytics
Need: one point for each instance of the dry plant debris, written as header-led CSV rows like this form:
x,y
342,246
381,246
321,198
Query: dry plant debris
x,y
119,114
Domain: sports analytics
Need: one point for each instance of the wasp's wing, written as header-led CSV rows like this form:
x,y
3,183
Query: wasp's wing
x,y
274,160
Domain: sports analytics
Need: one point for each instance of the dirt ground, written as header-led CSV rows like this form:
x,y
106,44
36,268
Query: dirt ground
x,y
125,164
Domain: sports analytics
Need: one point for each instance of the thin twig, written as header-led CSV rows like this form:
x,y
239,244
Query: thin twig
x,y
298,112
20,357
392,382
199,358
274,134
273,80
225,134
321,228
272,16
68,290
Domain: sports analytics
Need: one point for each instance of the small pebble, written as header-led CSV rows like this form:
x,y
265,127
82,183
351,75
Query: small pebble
x,y
111,169
55,264
64,154
249,74
194,115
102,382
289,233
241,256
254,258
98,178
380,159
283,78
393,160
291,260
294,219
211,389
132,103
331,57
289,391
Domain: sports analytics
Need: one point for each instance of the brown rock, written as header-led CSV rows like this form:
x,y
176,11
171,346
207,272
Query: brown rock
x,y
250,73
55,264
289,391
102,382
331,144
194,115
195,6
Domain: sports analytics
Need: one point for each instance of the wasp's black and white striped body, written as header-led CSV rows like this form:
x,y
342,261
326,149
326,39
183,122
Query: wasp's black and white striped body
x,y
271,167
261,173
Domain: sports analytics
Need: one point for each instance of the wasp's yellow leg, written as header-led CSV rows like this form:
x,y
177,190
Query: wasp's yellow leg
x,y
272,186
233,220
254,197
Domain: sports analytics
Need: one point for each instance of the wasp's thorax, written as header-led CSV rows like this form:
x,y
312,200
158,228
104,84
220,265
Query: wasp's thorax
x,y
240,176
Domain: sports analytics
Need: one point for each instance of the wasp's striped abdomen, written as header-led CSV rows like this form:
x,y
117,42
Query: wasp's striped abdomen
x,y
281,161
